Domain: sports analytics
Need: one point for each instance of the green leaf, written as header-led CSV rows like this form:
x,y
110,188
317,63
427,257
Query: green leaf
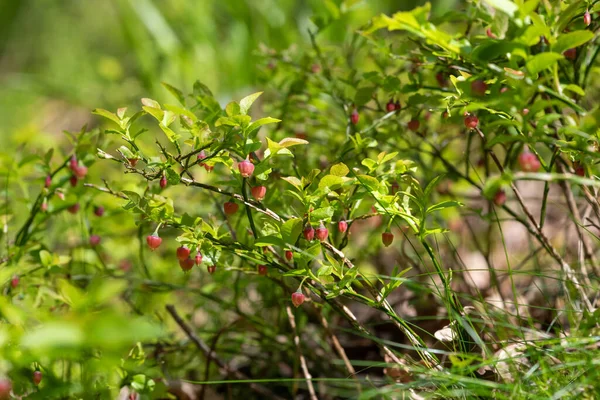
x,y
542,61
322,213
416,22
48,155
200,89
571,40
133,196
178,94
150,103
297,272
325,270
312,252
506,6
568,14
126,152
292,180
107,114
290,230
364,95
173,177
339,170
289,142
332,182
431,185
369,163
46,258
226,121
372,184
247,101
260,122
493,49
232,109
382,157
444,204
574,88
269,240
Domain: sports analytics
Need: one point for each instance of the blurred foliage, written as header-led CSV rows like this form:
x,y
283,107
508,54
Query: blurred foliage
x,y
58,59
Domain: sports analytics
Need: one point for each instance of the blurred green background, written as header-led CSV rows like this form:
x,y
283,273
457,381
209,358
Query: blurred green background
x,y
61,58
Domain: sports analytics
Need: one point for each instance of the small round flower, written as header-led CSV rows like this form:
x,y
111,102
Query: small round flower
x,y
587,18
529,162
309,233
387,238
259,192
153,241
413,125
471,121
289,255
186,264
98,211
342,226
73,162
478,87
230,208
5,388
321,233
354,117
95,240
500,198
571,54
183,252
262,269
37,377
297,299
579,169
441,79
390,106
246,168
201,156
80,171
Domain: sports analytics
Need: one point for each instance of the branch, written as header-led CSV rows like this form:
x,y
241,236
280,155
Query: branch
x,y
338,348
248,209
303,365
106,190
203,347
250,203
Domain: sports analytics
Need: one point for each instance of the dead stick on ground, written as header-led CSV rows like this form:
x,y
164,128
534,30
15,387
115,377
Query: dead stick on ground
x,y
204,348
339,349
303,365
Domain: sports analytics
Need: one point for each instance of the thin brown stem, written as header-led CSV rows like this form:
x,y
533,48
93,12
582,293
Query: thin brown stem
x,y
339,349
303,365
